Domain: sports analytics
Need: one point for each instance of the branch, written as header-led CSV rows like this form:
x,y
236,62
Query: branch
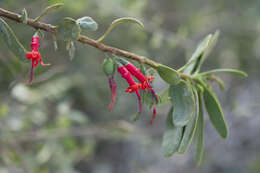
x,y
83,39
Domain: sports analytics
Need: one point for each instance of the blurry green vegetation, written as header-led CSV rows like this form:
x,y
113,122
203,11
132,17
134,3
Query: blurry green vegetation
x,y
61,123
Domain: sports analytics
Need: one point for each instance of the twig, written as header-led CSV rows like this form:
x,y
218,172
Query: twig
x,y
83,39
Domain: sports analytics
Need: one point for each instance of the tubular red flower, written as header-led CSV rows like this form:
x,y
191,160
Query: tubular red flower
x,y
145,80
34,55
112,85
133,86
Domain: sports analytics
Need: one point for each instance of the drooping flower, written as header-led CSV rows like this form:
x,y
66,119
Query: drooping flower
x,y
145,80
35,55
133,86
109,70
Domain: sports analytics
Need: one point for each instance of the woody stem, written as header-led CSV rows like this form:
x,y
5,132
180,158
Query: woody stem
x,y
83,39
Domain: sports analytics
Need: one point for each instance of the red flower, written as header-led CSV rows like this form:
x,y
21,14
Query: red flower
x,y
145,80
133,86
34,55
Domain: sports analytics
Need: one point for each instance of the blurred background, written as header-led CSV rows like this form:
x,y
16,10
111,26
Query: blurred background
x,y
60,123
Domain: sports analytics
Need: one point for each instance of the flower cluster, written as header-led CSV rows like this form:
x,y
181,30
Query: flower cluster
x,y
128,71
35,55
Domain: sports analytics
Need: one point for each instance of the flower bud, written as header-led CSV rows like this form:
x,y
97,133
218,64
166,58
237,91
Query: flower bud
x,y
108,67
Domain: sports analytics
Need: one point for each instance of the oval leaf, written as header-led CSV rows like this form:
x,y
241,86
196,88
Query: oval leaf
x,y
11,40
87,23
171,137
183,102
190,128
119,21
168,74
199,135
215,112
68,29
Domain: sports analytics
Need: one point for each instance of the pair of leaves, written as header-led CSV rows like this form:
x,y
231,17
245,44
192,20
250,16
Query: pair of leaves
x,y
179,138
181,130
202,51
182,118
11,40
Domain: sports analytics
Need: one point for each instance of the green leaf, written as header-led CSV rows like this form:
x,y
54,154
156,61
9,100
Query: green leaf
x,y
48,10
119,21
190,128
189,68
183,102
200,54
171,137
211,45
168,74
24,16
231,71
164,97
68,29
11,40
87,23
199,135
215,112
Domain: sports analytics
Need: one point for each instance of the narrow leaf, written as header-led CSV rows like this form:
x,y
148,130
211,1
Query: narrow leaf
x,y
171,137
68,29
212,44
231,71
87,23
183,102
199,135
189,68
200,54
168,74
215,112
24,16
11,40
190,128
119,21
48,10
